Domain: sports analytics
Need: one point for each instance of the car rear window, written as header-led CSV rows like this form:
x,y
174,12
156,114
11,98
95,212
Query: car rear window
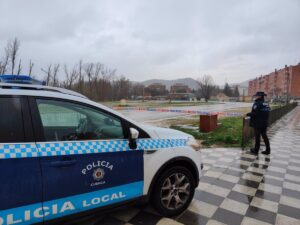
x,y
11,121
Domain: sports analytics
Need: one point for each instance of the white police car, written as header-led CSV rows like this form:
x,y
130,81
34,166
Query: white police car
x,y
62,154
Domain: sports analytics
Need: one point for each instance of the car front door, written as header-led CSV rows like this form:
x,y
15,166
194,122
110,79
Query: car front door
x,y
86,160
20,174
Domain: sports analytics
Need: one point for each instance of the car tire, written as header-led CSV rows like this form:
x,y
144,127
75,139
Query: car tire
x,y
173,191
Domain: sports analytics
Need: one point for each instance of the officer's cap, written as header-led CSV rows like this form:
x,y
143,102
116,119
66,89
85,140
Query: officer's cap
x,y
260,93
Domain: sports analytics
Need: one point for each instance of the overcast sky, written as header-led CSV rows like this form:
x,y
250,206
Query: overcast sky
x,y
231,40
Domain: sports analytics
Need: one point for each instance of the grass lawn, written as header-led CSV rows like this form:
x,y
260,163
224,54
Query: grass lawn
x,y
228,133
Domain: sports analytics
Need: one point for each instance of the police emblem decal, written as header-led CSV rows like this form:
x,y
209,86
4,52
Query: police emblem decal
x,y
98,174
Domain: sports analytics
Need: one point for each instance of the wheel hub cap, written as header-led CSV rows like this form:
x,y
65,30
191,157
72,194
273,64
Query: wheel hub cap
x,y
175,191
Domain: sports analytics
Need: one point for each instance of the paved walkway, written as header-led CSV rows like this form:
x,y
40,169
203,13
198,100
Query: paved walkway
x,y
237,187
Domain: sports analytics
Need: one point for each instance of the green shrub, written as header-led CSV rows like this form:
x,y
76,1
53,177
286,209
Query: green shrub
x,y
228,133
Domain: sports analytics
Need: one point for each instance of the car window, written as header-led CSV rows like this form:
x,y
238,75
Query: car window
x,y
66,121
11,121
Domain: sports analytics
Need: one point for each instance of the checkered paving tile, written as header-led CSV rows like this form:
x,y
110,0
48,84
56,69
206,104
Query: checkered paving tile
x,y
237,187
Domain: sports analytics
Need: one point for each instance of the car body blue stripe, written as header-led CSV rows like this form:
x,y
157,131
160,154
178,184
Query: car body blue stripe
x,y
73,204
8,151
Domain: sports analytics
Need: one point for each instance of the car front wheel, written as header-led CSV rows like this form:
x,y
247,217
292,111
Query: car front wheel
x,y
174,191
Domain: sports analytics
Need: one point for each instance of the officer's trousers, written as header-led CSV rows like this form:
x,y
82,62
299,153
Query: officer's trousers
x,y
261,132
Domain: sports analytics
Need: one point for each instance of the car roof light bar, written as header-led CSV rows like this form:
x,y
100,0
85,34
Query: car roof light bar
x,y
20,79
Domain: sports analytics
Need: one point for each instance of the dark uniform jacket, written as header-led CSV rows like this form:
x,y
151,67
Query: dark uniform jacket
x,y
259,114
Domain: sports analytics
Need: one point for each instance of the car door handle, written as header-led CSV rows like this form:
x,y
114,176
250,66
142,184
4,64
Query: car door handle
x,y
63,163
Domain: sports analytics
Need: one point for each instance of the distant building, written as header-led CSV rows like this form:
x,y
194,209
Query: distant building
x,y
182,96
245,98
181,91
180,88
220,97
157,89
138,91
280,83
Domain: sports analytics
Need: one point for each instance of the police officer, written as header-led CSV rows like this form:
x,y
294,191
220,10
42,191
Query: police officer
x,y
259,121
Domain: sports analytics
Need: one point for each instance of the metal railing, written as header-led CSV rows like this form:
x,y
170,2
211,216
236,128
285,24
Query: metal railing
x,y
275,114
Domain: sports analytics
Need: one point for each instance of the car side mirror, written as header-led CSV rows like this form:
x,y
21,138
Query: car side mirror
x,y
134,134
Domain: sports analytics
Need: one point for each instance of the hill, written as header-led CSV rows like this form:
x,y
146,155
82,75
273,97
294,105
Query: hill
x,y
192,83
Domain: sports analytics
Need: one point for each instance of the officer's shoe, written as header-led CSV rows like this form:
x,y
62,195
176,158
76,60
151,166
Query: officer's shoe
x,y
254,151
266,152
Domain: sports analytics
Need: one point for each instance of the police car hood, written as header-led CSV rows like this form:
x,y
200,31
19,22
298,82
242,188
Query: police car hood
x,y
164,133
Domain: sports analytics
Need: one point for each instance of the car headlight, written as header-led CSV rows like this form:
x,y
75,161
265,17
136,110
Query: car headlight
x,y
193,143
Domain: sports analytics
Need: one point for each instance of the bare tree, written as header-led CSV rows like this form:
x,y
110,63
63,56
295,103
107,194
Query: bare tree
x,y
4,62
1,68
89,70
19,67
80,76
98,70
10,58
12,48
71,77
206,87
93,79
51,74
55,74
48,74
31,64
107,88
97,81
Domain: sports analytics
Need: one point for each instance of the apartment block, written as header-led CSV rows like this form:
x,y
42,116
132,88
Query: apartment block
x,y
280,83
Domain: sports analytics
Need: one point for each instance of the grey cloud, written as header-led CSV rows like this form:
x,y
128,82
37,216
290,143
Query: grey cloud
x,y
158,39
